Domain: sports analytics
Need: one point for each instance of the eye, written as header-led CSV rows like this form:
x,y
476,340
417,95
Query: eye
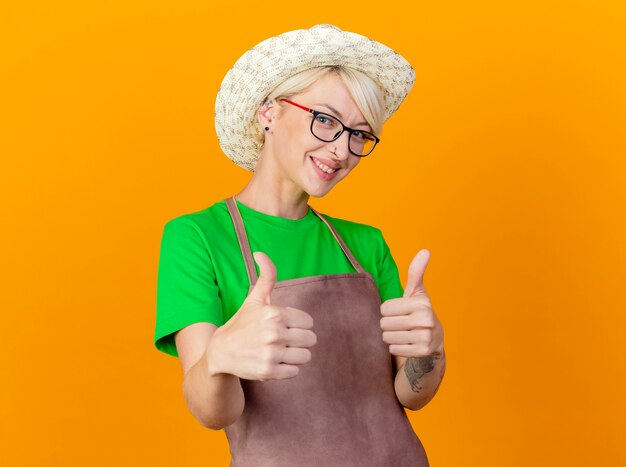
x,y
363,135
324,120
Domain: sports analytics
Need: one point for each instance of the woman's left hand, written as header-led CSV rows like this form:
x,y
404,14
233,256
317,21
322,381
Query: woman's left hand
x,y
409,324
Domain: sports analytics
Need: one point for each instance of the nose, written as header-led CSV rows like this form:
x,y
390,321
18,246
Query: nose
x,y
339,147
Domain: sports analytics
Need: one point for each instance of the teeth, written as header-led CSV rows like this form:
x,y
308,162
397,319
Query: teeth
x,y
325,168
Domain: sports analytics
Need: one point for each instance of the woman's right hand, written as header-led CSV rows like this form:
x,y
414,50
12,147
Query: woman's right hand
x,y
262,341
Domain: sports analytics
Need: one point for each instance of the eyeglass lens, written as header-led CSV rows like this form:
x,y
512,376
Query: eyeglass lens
x,y
328,128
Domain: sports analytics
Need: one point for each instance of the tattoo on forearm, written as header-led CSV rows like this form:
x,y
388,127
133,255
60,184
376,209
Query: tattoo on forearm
x,y
416,368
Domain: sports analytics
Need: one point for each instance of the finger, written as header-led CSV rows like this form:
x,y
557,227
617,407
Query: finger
x,y
296,337
295,318
404,305
406,322
418,319
415,337
286,371
415,282
295,356
262,290
402,350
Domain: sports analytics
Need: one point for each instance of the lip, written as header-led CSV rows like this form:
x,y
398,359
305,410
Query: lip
x,y
332,165
320,172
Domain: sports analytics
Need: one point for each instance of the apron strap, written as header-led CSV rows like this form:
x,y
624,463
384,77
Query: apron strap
x,y
342,244
244,243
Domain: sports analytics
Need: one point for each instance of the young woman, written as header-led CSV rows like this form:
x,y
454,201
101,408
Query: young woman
x,y
306,350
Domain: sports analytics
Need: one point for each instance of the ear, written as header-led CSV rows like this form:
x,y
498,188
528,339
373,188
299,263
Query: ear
x,y
268,111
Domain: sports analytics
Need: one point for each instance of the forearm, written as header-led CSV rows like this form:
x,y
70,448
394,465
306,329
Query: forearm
x,y
418,380
215,398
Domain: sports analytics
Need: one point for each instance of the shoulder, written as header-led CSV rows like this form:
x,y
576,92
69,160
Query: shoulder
x,y
350,229
371,250
366,241
203,223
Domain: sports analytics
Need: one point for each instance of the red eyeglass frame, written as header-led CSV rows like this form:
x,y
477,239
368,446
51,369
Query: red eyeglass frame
x,y
315,113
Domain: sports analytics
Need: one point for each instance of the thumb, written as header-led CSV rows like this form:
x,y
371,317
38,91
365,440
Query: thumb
x,y
267,278
415,282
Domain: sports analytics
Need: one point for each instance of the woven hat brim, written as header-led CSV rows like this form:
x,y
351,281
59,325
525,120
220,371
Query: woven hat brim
x,y
272,61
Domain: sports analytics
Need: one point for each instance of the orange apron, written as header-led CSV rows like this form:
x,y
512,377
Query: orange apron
x,y
341,409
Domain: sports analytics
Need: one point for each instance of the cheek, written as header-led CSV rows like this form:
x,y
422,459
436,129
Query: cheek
x,y
295,142
355,163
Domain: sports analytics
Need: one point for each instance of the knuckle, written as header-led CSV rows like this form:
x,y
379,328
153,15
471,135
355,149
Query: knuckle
x,y
265,371
270,355
305,319
272,336
420,320
415,321
274,313
429,319
414,302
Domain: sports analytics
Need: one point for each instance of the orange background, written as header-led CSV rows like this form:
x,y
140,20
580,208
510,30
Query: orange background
x,y
507,161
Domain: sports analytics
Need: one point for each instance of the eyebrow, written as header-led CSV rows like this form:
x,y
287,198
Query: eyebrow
x,y
341,116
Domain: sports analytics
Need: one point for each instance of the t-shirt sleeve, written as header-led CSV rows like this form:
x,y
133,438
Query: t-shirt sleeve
x,y
389,284
187,291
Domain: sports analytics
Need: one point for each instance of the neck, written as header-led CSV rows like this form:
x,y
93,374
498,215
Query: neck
x,y
267,193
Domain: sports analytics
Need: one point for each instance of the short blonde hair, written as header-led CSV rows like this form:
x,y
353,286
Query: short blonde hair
x,y
364,90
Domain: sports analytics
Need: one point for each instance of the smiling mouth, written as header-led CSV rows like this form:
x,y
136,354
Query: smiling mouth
x,y
324,167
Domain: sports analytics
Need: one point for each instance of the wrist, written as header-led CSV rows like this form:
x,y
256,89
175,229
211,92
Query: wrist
x,y
215,358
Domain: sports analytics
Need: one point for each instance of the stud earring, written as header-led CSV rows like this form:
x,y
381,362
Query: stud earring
x,y
267,128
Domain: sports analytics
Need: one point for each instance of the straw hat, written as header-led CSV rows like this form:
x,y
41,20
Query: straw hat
x,y
269,63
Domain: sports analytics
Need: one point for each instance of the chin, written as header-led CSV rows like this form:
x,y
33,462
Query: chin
x,y
320,192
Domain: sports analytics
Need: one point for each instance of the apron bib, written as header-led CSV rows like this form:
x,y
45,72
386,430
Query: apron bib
x,y
341,408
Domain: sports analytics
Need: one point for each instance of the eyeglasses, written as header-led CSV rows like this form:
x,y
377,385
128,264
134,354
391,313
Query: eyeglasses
x,y
327,128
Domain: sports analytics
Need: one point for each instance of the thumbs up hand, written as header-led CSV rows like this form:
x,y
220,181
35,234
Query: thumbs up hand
x,y
264,341
409,324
